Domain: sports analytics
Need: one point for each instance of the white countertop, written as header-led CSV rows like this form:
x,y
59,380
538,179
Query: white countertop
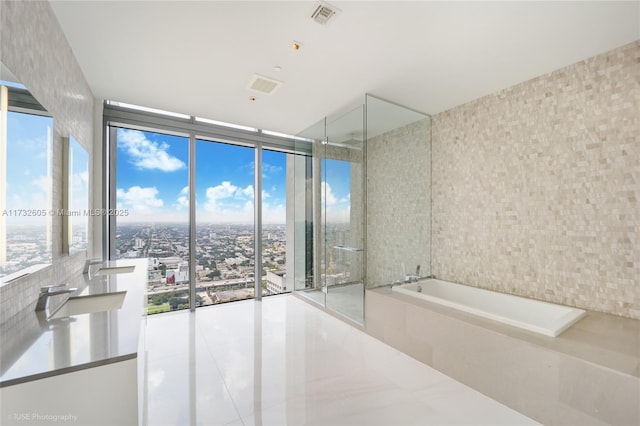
x,y
81,341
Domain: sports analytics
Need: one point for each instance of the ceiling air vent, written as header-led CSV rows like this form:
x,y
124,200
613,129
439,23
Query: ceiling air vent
x,y
324,12
262,84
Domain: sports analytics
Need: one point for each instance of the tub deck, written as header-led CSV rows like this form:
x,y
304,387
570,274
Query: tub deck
x,y
590,374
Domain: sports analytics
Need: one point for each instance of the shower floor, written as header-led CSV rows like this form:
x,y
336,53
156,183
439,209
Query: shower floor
x,y
347,300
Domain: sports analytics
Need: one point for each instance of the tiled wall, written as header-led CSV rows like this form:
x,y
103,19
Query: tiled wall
x,y
536,188
34,48
398,198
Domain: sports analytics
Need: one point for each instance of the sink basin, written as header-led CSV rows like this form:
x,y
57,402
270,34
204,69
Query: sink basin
x,y
90,304
108,270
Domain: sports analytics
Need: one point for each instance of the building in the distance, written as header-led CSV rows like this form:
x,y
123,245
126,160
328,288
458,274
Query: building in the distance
x,y
276,282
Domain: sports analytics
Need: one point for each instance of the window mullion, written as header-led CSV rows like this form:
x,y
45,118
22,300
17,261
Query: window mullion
x,y
258,221
192,221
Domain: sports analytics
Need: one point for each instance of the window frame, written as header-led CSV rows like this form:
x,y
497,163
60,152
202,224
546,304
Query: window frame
x,y
194,128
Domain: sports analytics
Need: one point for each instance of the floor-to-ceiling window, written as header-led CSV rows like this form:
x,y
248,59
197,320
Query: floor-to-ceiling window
x,y
274,220
152,188
189,188
224,222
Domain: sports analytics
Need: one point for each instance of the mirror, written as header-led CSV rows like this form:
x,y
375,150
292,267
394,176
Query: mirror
x,y
77,205
26,151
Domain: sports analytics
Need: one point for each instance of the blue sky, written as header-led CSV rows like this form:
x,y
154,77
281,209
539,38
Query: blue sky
x,y
152,181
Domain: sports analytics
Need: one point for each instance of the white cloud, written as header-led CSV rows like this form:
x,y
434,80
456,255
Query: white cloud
x,y
338,209
270,168
217,212
267,169
183,198
327,194
228,203
248,191
274,213
146,154
84,176
139,201
41,184
219,192
33,196
346,199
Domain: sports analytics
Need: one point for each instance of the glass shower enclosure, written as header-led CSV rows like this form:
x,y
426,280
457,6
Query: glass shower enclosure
x,y
367,208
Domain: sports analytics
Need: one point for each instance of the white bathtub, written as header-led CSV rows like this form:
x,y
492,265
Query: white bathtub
x,y
533,315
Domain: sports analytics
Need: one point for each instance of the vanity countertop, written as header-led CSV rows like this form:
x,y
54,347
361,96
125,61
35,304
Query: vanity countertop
x,y
80,341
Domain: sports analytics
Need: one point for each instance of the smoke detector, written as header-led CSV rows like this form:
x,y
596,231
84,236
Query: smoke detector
x,y
323,12
262,84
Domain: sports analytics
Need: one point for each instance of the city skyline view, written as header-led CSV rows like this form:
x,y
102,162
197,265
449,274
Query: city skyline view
x,y
224,262
152,174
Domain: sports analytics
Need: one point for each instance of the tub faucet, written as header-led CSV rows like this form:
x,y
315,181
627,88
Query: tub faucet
x,y
51,290
413,278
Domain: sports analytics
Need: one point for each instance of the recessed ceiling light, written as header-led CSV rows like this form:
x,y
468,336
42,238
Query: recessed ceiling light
x,y
252,98
296,45
277,68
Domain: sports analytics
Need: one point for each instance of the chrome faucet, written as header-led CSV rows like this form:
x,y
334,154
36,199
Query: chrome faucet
x,y
413,278
88,263
51,290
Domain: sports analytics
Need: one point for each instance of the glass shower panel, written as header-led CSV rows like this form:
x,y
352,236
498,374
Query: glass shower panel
x,y
308,209
370,172
342,197
300,221
398,193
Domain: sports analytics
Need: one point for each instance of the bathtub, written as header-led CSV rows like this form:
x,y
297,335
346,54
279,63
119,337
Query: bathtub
x,y
534,315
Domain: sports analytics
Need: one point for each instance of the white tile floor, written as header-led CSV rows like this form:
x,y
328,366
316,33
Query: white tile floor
x,y
346,300
284,362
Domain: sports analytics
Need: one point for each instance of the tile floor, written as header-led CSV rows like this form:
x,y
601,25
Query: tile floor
x,y
346,300
284,362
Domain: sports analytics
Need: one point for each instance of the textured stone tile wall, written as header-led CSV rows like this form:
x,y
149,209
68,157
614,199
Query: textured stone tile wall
x,y
398,203
34,48
536,188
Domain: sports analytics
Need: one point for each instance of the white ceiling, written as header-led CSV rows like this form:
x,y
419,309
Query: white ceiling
x,y
197,57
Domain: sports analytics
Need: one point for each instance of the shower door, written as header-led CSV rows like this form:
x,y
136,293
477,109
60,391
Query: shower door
x,y
342,216
338,214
